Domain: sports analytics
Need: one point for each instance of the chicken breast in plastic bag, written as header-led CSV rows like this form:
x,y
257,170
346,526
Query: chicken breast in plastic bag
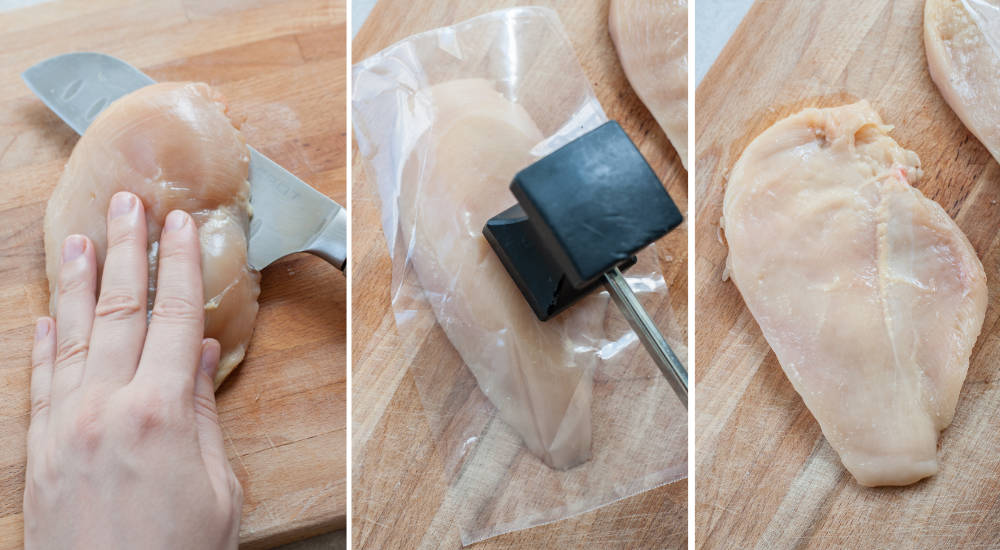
x,y
651,39
868,292
962,40
539,375
174,146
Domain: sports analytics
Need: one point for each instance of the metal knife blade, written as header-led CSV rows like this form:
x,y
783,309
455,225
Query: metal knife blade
x,y
288,215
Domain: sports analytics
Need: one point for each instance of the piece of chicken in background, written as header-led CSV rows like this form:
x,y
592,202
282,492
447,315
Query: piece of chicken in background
x,y
962,41
652,43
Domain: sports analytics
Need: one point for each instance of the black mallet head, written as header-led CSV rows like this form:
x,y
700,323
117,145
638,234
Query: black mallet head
x,y
583,210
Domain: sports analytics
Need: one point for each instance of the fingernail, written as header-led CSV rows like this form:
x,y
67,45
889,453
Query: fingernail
x,y
175,221
121,204
209,359
73,247
42,327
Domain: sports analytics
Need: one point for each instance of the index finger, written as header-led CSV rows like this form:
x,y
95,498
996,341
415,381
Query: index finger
x,y
172,349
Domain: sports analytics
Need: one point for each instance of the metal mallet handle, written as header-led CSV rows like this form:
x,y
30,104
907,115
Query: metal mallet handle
x,y
669,364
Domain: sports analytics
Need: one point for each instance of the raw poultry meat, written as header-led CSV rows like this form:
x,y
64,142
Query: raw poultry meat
x,y
539,375
174,146
962,40
651,39
869,294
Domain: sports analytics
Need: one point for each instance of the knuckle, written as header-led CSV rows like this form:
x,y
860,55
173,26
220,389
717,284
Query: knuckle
x,y
88,430
148,412
124,238
71,284
236,491
118,304
178,253
71,350
31,486
87,433
40,474
39,405
205,407
39,360
177,308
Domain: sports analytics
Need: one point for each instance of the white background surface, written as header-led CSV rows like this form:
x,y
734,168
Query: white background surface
x,y
714,22
359,12
10,5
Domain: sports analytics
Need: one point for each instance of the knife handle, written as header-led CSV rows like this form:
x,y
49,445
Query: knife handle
x,y
330,243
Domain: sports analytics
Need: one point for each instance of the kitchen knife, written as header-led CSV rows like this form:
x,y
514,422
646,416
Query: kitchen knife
x,y
288,215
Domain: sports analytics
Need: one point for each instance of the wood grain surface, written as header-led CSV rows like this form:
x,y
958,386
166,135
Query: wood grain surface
x,y
398,492
766,477
281,64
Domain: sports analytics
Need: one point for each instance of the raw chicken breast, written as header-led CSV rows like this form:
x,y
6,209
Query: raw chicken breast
x,y
962,40
539,375
174,146
869,294
651,39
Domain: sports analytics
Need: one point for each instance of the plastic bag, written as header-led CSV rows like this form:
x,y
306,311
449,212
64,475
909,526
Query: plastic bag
x,y
443,120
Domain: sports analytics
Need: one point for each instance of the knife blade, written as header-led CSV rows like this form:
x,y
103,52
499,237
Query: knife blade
x,y
288,215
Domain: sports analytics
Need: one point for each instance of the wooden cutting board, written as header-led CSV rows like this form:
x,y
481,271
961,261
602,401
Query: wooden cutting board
x,y
281,64
766,477
398,492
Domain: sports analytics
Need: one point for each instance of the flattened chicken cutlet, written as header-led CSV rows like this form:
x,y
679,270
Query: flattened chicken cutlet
x,y
869,293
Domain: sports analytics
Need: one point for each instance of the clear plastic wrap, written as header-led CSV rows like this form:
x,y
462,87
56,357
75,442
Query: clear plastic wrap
x,y
443,120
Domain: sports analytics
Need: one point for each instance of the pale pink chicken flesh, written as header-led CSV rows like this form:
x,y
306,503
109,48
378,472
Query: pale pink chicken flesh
x,y
173,145
651,39
869,293
539,375
962,40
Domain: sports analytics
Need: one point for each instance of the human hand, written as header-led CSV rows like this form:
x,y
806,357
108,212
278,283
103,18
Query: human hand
x,y
124,446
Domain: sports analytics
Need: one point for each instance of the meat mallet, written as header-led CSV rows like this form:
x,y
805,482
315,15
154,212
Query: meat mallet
x,y
583,212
